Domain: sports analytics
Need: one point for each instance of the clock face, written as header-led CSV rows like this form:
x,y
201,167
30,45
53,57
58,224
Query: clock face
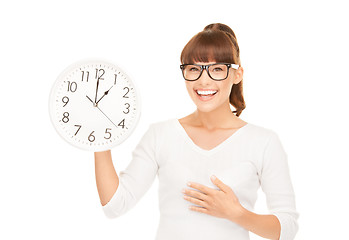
x,y
94,105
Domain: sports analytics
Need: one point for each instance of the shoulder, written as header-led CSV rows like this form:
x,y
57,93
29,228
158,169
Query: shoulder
x,y
164,130
259,130
162,124
263,142
268,140
259,134
164,133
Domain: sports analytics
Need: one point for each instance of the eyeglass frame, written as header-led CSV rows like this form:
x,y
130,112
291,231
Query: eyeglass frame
x,y
205,67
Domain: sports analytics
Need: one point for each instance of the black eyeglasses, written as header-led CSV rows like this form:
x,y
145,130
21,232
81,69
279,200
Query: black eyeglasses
x,y
216,71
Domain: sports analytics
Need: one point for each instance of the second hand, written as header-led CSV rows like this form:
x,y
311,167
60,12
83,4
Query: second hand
x,y
106,116
95,105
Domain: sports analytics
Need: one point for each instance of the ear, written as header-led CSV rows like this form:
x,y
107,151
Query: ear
x,y
238,75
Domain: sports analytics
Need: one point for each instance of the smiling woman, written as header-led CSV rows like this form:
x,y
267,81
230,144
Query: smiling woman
x,y
218,44
211,163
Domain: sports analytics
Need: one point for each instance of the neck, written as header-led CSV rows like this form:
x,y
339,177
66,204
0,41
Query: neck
x,y
221,117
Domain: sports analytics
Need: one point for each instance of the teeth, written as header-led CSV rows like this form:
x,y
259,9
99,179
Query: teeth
x,y
205,92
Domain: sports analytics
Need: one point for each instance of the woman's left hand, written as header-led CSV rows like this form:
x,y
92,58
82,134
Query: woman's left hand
x,y
221,203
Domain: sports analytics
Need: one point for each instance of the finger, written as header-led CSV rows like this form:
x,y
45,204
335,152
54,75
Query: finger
x,y
202,188
198,209
196,194
219,184
195,201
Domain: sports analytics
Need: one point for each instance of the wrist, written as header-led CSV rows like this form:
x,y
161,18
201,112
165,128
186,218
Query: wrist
x,y
103,155
239,214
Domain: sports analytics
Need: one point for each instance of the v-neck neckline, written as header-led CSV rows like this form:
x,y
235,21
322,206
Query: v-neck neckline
x,y
212,150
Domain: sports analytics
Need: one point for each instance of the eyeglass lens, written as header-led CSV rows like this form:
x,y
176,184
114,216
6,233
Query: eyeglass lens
x,y
216,71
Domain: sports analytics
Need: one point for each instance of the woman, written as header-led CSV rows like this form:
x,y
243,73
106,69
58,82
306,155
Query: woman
x,y
210,163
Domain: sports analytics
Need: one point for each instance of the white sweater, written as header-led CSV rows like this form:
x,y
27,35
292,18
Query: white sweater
x,y
251,157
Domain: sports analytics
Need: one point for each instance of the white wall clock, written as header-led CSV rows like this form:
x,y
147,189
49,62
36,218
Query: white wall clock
x,y
94,105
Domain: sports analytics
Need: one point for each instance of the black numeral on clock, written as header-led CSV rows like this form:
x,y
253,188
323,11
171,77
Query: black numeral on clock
x,y
85,75
91,137
99,74
72,86
116,76
122,123
65,118
128,108
79,126
106,131
65,100
126,92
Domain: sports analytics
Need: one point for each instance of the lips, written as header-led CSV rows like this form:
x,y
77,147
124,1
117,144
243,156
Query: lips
x,y
206,97
206,91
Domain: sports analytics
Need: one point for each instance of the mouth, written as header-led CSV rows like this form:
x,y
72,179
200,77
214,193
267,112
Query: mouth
x,y
206,95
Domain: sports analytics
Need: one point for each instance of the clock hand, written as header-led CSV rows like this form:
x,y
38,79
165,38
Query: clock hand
x,y
105,93
94,104
106,116
96,90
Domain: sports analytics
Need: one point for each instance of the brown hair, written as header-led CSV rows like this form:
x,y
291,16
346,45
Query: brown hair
x,y
217,42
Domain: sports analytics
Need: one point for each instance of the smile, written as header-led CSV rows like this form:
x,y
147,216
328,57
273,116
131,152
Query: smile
x,y
206,95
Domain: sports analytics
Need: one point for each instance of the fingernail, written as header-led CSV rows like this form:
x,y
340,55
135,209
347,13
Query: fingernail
x,y
188,183
183,190
213,177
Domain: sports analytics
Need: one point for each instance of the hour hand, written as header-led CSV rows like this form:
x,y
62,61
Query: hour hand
x,y
105,93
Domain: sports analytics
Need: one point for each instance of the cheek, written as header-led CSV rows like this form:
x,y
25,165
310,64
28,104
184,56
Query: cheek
x,y
225,90
188,86
190,89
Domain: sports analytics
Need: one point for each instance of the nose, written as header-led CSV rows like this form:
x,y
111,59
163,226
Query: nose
x,y
204,78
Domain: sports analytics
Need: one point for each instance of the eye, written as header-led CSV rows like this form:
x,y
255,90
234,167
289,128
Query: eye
x,y
193,69
217,69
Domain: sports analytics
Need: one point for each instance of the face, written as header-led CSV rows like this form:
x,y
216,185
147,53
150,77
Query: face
x,y
222,89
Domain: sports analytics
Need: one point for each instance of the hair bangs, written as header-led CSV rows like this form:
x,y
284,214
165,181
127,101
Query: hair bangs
x,y
209,46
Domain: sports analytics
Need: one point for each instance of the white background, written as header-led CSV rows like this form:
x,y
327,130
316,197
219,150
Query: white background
x,y
295,56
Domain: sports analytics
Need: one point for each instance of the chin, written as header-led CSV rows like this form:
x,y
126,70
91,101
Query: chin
x,y
206,108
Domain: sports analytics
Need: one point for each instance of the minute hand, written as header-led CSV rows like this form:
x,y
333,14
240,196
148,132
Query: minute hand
x,y
105,93
96,90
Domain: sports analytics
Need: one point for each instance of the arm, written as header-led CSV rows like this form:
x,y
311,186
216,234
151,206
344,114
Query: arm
x,y
224,203
119,193
266,226
106,178
275,180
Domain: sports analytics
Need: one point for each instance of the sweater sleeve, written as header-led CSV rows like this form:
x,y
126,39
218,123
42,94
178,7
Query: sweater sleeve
x,y
276,184
136,179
